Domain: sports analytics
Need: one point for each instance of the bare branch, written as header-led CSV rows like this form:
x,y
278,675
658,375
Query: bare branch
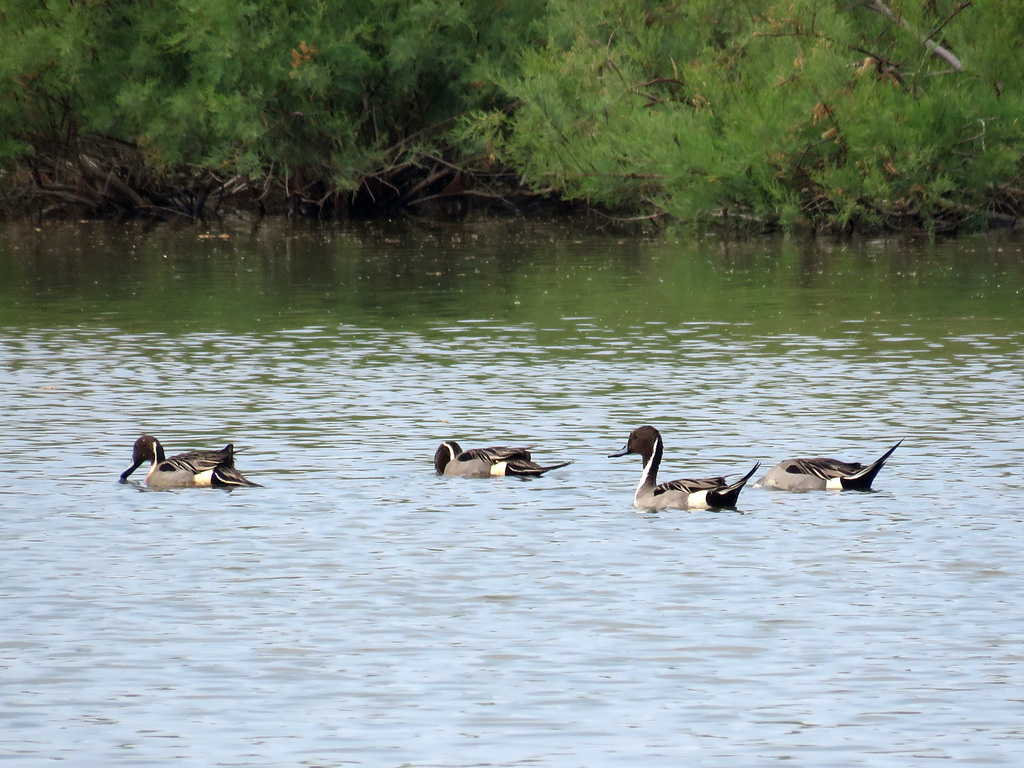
x,y
946,55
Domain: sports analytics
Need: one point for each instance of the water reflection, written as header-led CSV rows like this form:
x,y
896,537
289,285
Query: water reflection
x,y
286,275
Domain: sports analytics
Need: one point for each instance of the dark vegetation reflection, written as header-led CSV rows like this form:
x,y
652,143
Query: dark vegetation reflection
x,y
413,276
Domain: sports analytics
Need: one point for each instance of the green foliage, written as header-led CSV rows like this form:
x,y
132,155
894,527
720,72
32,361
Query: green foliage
x,y
776,112
808,112
245,87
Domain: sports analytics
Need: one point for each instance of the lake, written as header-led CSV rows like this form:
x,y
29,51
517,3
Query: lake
x,y
360,610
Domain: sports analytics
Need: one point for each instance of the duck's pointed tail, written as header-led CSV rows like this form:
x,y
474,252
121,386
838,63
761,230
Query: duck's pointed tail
x,y
863,479
226,476
534,471
728,495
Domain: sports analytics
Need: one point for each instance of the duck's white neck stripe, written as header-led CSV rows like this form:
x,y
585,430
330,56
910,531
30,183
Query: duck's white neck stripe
x,y
649,465
451,452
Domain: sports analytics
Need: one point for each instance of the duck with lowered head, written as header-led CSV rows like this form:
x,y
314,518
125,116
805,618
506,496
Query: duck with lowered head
x,y
193,469
450,459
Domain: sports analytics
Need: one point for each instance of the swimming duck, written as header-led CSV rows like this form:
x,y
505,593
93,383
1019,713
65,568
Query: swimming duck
x,y
194,469
450,459
709,493
823,474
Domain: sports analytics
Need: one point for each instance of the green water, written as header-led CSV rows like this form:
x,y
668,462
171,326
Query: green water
x,y
406,276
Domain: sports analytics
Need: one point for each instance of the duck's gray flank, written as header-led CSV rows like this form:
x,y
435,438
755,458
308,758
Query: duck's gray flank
x,y
824,474
497,461
202,469
707,493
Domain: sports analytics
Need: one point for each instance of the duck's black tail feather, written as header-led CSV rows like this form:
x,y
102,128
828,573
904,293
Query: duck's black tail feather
x,y
519,470
226,476
863,479
728,496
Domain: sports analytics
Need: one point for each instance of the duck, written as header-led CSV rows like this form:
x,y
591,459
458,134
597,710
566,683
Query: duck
x,y
709,493
193,469
451,460
822,474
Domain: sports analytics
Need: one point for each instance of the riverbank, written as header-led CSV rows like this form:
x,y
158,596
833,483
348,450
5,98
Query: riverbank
x,y
106,179
114,183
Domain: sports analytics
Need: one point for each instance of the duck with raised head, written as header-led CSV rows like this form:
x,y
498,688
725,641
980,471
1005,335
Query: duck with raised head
x,y
451,460
708,493
821,474
193,469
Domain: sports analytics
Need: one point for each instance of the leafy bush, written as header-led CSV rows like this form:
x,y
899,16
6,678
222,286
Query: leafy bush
x,y
812,112
769,113
297,89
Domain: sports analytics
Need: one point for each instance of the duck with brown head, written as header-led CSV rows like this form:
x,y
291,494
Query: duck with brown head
x,y
450,459
708,493
193,469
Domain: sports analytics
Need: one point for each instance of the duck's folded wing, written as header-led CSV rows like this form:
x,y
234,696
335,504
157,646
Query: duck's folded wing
x,y
495,454
826,469
691,486
199,461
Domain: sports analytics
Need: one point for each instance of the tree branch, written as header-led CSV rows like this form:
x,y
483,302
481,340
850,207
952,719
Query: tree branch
x,y
945,54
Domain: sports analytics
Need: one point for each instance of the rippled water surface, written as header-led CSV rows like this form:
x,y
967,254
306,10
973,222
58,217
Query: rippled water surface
x,y
360,610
